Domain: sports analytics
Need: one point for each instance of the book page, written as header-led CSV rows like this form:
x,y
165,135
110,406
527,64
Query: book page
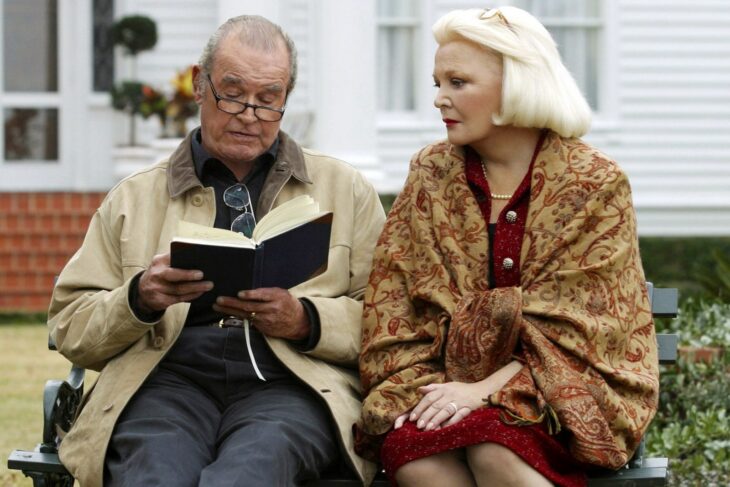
x,y
285,226
285,216
194,233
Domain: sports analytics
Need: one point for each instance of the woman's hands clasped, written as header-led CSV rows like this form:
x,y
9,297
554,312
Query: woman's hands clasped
x,y
443,405
446,404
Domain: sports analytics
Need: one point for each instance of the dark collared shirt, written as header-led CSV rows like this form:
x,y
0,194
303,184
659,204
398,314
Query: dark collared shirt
x,y
214,173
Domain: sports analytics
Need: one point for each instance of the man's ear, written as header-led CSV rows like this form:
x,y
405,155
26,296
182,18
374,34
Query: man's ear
x,y
198,84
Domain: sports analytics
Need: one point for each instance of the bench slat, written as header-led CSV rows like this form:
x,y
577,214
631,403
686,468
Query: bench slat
x,y
667,343
664,302
33,461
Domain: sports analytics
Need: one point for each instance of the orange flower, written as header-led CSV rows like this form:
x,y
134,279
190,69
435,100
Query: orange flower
x,y
183,83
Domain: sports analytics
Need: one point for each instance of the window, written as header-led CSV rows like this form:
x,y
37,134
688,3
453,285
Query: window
x,y
103,44
29,85
577,27
397,54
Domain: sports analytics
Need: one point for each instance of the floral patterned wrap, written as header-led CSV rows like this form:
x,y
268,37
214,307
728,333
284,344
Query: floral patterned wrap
x,y
580,319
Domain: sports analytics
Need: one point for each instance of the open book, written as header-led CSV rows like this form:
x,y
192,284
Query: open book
x,y
289,245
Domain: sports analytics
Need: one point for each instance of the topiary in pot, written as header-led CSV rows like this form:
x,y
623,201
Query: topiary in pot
x,y
135,33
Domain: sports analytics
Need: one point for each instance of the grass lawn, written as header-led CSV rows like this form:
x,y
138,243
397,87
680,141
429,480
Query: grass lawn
x,y
27,364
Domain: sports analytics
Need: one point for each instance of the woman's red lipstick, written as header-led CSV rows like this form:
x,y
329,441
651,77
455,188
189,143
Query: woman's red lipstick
x,y
449,122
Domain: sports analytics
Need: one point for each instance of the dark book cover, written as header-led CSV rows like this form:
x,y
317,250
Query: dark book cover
x,y
284,260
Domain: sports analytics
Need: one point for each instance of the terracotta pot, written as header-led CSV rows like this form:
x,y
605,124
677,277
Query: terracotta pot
x,y
701,354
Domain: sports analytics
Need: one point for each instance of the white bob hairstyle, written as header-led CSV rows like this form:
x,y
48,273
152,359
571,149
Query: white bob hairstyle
x,y
537,89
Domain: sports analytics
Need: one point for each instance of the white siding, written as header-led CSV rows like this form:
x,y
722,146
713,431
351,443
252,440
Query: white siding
x,y
673,135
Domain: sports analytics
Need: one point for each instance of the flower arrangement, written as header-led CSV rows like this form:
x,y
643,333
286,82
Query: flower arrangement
x,y
173,110
153,103
181,104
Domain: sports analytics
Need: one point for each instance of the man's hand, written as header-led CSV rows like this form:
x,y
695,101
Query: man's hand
x,y
273,311
161,286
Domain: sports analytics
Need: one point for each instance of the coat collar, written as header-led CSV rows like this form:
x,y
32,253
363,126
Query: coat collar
x,y
181,175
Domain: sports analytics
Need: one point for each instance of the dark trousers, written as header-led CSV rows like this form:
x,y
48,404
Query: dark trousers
x,y
204,418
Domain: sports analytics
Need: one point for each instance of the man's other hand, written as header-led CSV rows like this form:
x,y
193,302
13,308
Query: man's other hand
x,y
273,311
161,286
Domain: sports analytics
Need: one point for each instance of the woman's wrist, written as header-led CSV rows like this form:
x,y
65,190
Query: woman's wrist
x,y
496,381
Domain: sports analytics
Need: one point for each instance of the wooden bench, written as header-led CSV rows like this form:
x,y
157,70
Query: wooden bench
x,y
62,398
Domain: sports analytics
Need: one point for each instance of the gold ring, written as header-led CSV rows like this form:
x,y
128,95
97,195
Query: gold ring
x,y
451,408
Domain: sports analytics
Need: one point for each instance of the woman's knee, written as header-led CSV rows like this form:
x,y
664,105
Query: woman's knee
x,y
441,469
493,464
490,458
417,470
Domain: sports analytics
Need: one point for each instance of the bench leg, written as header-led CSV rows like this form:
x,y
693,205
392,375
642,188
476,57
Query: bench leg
x,y
46,479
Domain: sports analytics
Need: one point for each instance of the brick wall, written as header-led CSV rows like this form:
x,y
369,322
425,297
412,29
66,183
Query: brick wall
x,y
39,232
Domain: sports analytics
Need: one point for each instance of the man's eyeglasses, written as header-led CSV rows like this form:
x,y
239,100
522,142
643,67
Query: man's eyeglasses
x,y
234,107
237,197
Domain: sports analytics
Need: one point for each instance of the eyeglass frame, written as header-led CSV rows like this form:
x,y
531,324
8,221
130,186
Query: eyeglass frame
x,y
244,105
246,208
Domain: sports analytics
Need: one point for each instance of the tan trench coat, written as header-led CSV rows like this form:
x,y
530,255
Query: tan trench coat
x,y
94,326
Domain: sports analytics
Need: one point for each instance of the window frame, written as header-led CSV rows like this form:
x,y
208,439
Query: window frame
x,y
605,116
31,173
421,33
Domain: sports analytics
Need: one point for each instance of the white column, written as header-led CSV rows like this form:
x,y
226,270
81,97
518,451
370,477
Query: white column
x,y
234,8
343,84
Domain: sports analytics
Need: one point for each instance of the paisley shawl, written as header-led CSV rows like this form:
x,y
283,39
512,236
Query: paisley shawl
x,y
580,319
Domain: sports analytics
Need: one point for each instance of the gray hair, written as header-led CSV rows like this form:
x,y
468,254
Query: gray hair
x,y
254,31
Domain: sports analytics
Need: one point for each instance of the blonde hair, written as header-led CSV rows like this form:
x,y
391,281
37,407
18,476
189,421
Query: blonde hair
x,y
537,89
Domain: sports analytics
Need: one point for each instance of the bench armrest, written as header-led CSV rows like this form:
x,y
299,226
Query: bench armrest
x,y
61,400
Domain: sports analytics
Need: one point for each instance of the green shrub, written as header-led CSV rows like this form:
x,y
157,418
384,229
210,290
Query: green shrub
x,y
716,281
691,427
22,317
678,261
387,201
700,323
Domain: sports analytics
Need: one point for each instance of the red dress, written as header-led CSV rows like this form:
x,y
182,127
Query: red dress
x,y
546,453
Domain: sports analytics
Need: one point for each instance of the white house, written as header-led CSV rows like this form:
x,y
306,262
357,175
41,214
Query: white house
x,y
657,73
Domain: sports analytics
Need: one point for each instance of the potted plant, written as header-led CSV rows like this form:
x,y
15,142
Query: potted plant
x,y
703,326
181,105
135,34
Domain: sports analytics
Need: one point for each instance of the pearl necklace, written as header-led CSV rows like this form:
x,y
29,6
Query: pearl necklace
x,y
495,196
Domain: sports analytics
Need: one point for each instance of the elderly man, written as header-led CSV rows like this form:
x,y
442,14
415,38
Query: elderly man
x,y
179,400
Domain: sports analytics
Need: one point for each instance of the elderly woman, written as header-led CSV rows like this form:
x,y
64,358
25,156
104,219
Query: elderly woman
x,y
507,335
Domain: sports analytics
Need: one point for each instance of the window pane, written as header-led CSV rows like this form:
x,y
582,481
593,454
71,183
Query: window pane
x,y
103,12
396,55
388,9
566,8
31,134
30,46
579,49
396,69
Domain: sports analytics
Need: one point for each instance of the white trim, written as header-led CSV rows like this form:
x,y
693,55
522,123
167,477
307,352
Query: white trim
x,y
2,92
53,174
607,114
581,22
